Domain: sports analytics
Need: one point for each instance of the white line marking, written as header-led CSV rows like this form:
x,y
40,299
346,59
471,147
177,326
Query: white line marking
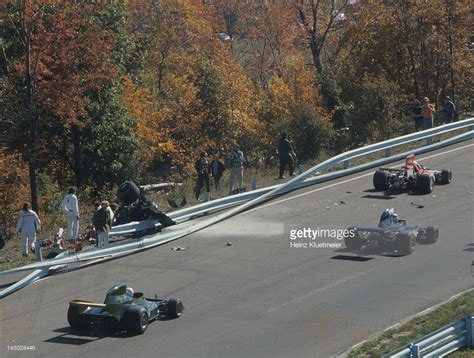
x,y
344,181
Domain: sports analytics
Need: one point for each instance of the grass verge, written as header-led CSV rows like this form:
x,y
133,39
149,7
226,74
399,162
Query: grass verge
x,y
419,327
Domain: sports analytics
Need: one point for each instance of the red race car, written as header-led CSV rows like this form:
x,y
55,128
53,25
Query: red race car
x,y
412,176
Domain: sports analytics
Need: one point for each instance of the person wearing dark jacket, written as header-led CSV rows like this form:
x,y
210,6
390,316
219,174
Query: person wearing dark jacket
x,y
449,110
102,224
217,169
286,154
417,108
202,169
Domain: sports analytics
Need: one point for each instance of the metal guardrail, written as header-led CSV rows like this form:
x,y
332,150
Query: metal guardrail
x,y
440,343
302,180
249,199
314,173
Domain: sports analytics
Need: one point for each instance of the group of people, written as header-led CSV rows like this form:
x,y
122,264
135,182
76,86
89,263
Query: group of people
x,y
216,169
29,223
424,113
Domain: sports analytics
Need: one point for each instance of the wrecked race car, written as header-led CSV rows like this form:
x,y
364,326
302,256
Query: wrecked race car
x,y
391,236
412,176
135,207
122,310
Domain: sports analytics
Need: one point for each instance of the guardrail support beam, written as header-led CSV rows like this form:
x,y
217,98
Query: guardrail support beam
x,y
429,140
346,164
470,331
415,351
388,152
38,256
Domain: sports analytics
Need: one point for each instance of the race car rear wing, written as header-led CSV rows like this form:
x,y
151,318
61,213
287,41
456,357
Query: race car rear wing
x,y
370,229
87,304
392,169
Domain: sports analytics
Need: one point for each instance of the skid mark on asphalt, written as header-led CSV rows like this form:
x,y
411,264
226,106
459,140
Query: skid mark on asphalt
x,y
325,287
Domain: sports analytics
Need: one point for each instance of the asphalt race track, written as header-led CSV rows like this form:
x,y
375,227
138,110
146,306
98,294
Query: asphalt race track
x,y
259,297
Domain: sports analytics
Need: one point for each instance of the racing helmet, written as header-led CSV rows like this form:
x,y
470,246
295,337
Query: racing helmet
x,y
387,213
130,291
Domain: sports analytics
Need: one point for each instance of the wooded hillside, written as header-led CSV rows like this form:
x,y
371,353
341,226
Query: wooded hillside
x,y
97,92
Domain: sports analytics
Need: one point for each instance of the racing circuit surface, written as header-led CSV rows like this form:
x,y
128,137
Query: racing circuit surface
x,y
260,297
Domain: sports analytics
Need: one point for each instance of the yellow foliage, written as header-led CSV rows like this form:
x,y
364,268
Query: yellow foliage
x,y
14,189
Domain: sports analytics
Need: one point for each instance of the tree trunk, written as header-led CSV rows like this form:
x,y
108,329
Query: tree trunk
x,y
450,43
31,111
77,154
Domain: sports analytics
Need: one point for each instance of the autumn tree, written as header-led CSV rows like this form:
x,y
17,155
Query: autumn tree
x,y
320,20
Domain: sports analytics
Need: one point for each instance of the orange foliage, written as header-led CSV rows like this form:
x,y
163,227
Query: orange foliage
x,y
14,189
69,55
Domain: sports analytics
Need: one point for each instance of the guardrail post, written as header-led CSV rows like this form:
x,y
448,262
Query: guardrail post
x,y
469,331
414,351
346,164
388,152
300,168
254,182
38,257
429,140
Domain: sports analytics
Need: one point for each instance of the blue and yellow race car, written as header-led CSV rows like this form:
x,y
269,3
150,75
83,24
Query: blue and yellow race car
x,y
122,310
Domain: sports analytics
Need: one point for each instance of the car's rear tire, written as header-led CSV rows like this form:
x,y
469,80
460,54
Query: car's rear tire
x,y
353,243
446,176
432,233
75,319
425,183
174,308
128,193
380,180
135,320
405,244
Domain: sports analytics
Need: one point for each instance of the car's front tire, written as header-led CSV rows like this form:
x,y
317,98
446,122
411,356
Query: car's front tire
x,y
432,233
174,308
446,176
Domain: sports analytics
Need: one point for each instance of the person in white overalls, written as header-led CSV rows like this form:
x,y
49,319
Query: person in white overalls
x,y
71,206
27,226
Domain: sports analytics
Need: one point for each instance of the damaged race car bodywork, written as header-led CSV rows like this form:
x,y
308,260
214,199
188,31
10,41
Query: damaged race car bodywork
x,y
135,207
122,310
392,236
412,176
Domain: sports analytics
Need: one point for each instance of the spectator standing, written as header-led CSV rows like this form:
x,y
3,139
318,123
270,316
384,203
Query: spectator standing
x,y
217,170
428,112
102,224
287,155
70,205
236,168
202,169
417,109
27,226
449,110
